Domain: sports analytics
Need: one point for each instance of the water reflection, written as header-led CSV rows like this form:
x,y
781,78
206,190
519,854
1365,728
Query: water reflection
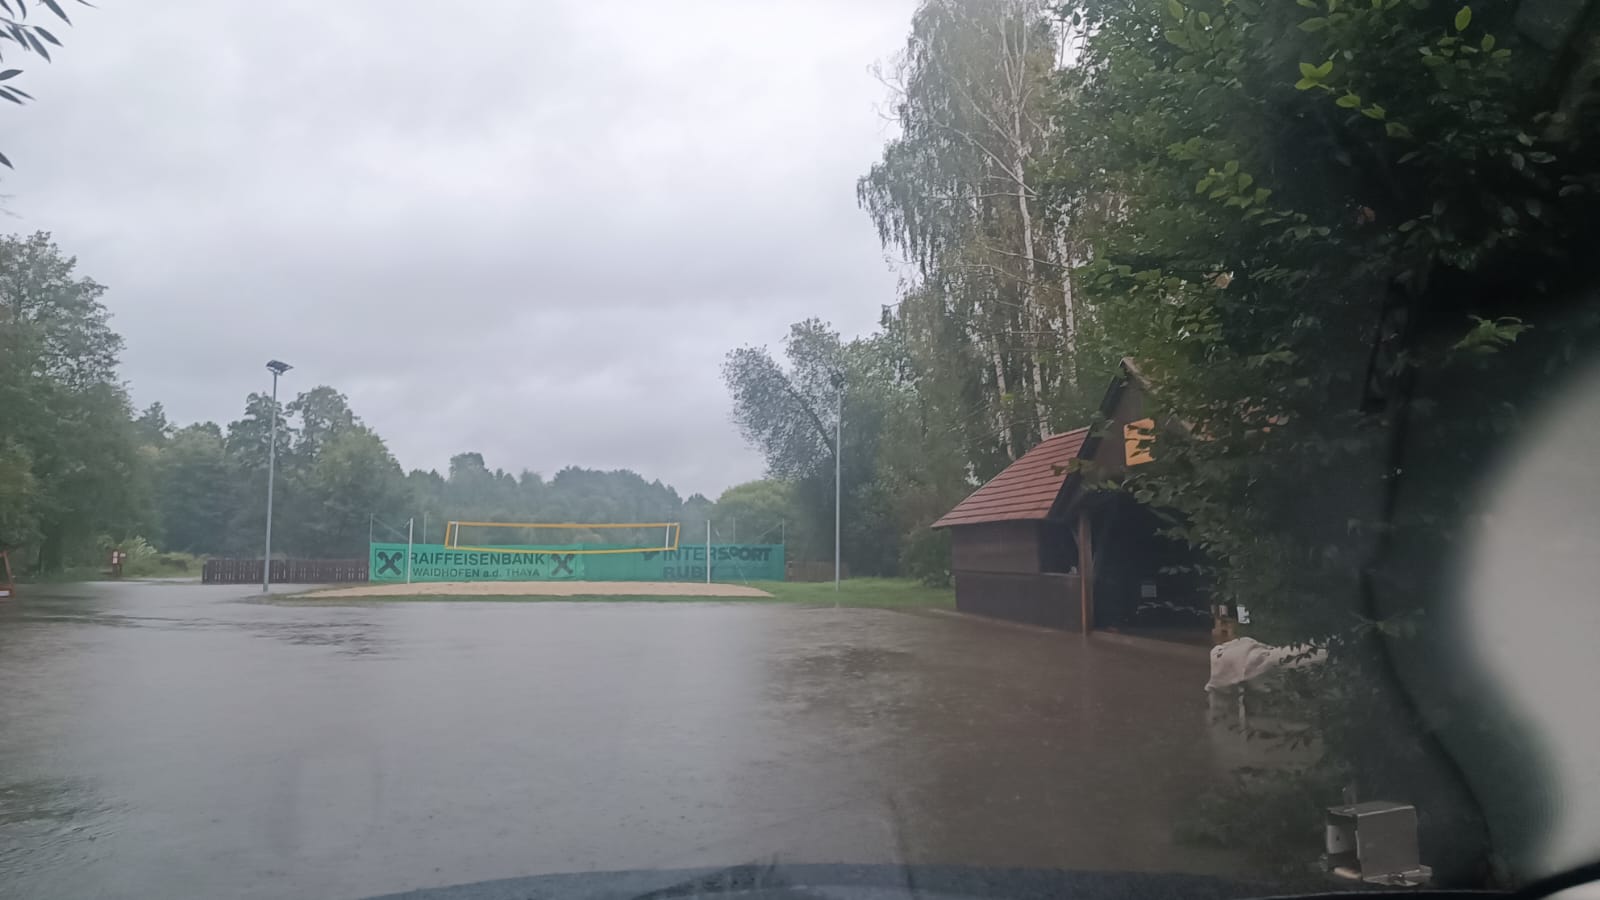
x,y
1001,746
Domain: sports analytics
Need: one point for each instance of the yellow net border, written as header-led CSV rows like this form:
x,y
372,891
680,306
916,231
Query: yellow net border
x,y
452,534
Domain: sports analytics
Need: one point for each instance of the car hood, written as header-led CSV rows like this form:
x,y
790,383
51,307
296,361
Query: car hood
x,y
850,882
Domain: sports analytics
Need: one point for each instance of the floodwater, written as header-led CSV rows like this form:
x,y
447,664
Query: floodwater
x,y
166,740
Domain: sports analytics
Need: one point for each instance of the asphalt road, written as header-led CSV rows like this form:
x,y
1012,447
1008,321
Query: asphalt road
x,y
161,740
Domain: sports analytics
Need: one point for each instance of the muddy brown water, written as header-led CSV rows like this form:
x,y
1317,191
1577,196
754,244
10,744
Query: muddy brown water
x,y
179,740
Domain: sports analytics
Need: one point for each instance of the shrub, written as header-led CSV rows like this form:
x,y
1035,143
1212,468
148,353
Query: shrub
x,y
925,556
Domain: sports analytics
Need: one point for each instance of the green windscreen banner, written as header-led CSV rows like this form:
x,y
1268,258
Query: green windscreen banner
x,y
436,562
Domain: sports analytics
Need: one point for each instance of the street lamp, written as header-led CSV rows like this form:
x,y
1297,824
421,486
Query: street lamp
x,y
838,452
278,368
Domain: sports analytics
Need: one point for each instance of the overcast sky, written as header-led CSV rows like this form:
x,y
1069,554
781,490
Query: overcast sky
x,y
530,229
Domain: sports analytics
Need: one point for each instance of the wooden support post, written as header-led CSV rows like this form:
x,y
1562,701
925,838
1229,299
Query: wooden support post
x,y
1085,574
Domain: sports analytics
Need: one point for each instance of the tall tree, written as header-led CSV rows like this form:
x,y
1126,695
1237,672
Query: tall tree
x,y
789,414
760,511
194,490
152,427
249,450
63,410
19,496
353,477
250,438
955,193
324,413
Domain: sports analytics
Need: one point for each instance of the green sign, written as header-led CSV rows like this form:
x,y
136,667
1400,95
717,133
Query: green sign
x,y
435,562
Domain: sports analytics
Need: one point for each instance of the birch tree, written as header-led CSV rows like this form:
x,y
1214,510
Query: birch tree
x,y
954,194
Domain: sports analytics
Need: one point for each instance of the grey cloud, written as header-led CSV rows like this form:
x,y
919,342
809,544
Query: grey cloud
x,y
528,229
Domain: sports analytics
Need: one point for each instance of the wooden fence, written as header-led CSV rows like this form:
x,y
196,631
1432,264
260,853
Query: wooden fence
x,y
284,571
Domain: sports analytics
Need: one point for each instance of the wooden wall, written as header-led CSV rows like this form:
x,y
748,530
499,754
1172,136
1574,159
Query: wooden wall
x,y
1037,599
1058,549
998,572
995,547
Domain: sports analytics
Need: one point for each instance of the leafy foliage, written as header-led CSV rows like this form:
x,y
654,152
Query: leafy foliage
x,y
1347,241
956,193
790,414
926,557
68,467
896,474
27,38
761,511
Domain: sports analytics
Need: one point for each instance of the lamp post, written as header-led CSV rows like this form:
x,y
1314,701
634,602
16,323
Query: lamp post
x,y
838,448
278,368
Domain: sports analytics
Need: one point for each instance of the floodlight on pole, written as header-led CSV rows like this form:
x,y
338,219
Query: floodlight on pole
x,y
278,367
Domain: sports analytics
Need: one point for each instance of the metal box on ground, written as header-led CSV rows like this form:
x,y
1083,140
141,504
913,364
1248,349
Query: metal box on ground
x,y
1375,842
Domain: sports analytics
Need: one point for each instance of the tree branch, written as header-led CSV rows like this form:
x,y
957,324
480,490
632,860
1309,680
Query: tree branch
x,y
816,421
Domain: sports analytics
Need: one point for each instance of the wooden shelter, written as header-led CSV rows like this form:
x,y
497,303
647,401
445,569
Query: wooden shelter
x,y
1036,545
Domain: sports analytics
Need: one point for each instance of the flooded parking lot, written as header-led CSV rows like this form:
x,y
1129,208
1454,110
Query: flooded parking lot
x,y
180,740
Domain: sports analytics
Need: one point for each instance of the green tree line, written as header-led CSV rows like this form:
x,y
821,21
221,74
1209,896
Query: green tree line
x,y
81,471
1347,242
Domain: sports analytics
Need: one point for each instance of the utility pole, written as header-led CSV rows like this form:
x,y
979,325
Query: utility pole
x,y
278,368
411,525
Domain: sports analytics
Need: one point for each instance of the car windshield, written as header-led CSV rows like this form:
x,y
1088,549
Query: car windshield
x,y
992,448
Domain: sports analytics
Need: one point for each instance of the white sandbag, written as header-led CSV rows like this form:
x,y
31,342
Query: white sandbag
x,y
1242,660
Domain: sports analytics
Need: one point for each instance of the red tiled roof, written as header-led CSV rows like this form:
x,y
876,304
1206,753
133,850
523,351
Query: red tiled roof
x,y
1026,489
